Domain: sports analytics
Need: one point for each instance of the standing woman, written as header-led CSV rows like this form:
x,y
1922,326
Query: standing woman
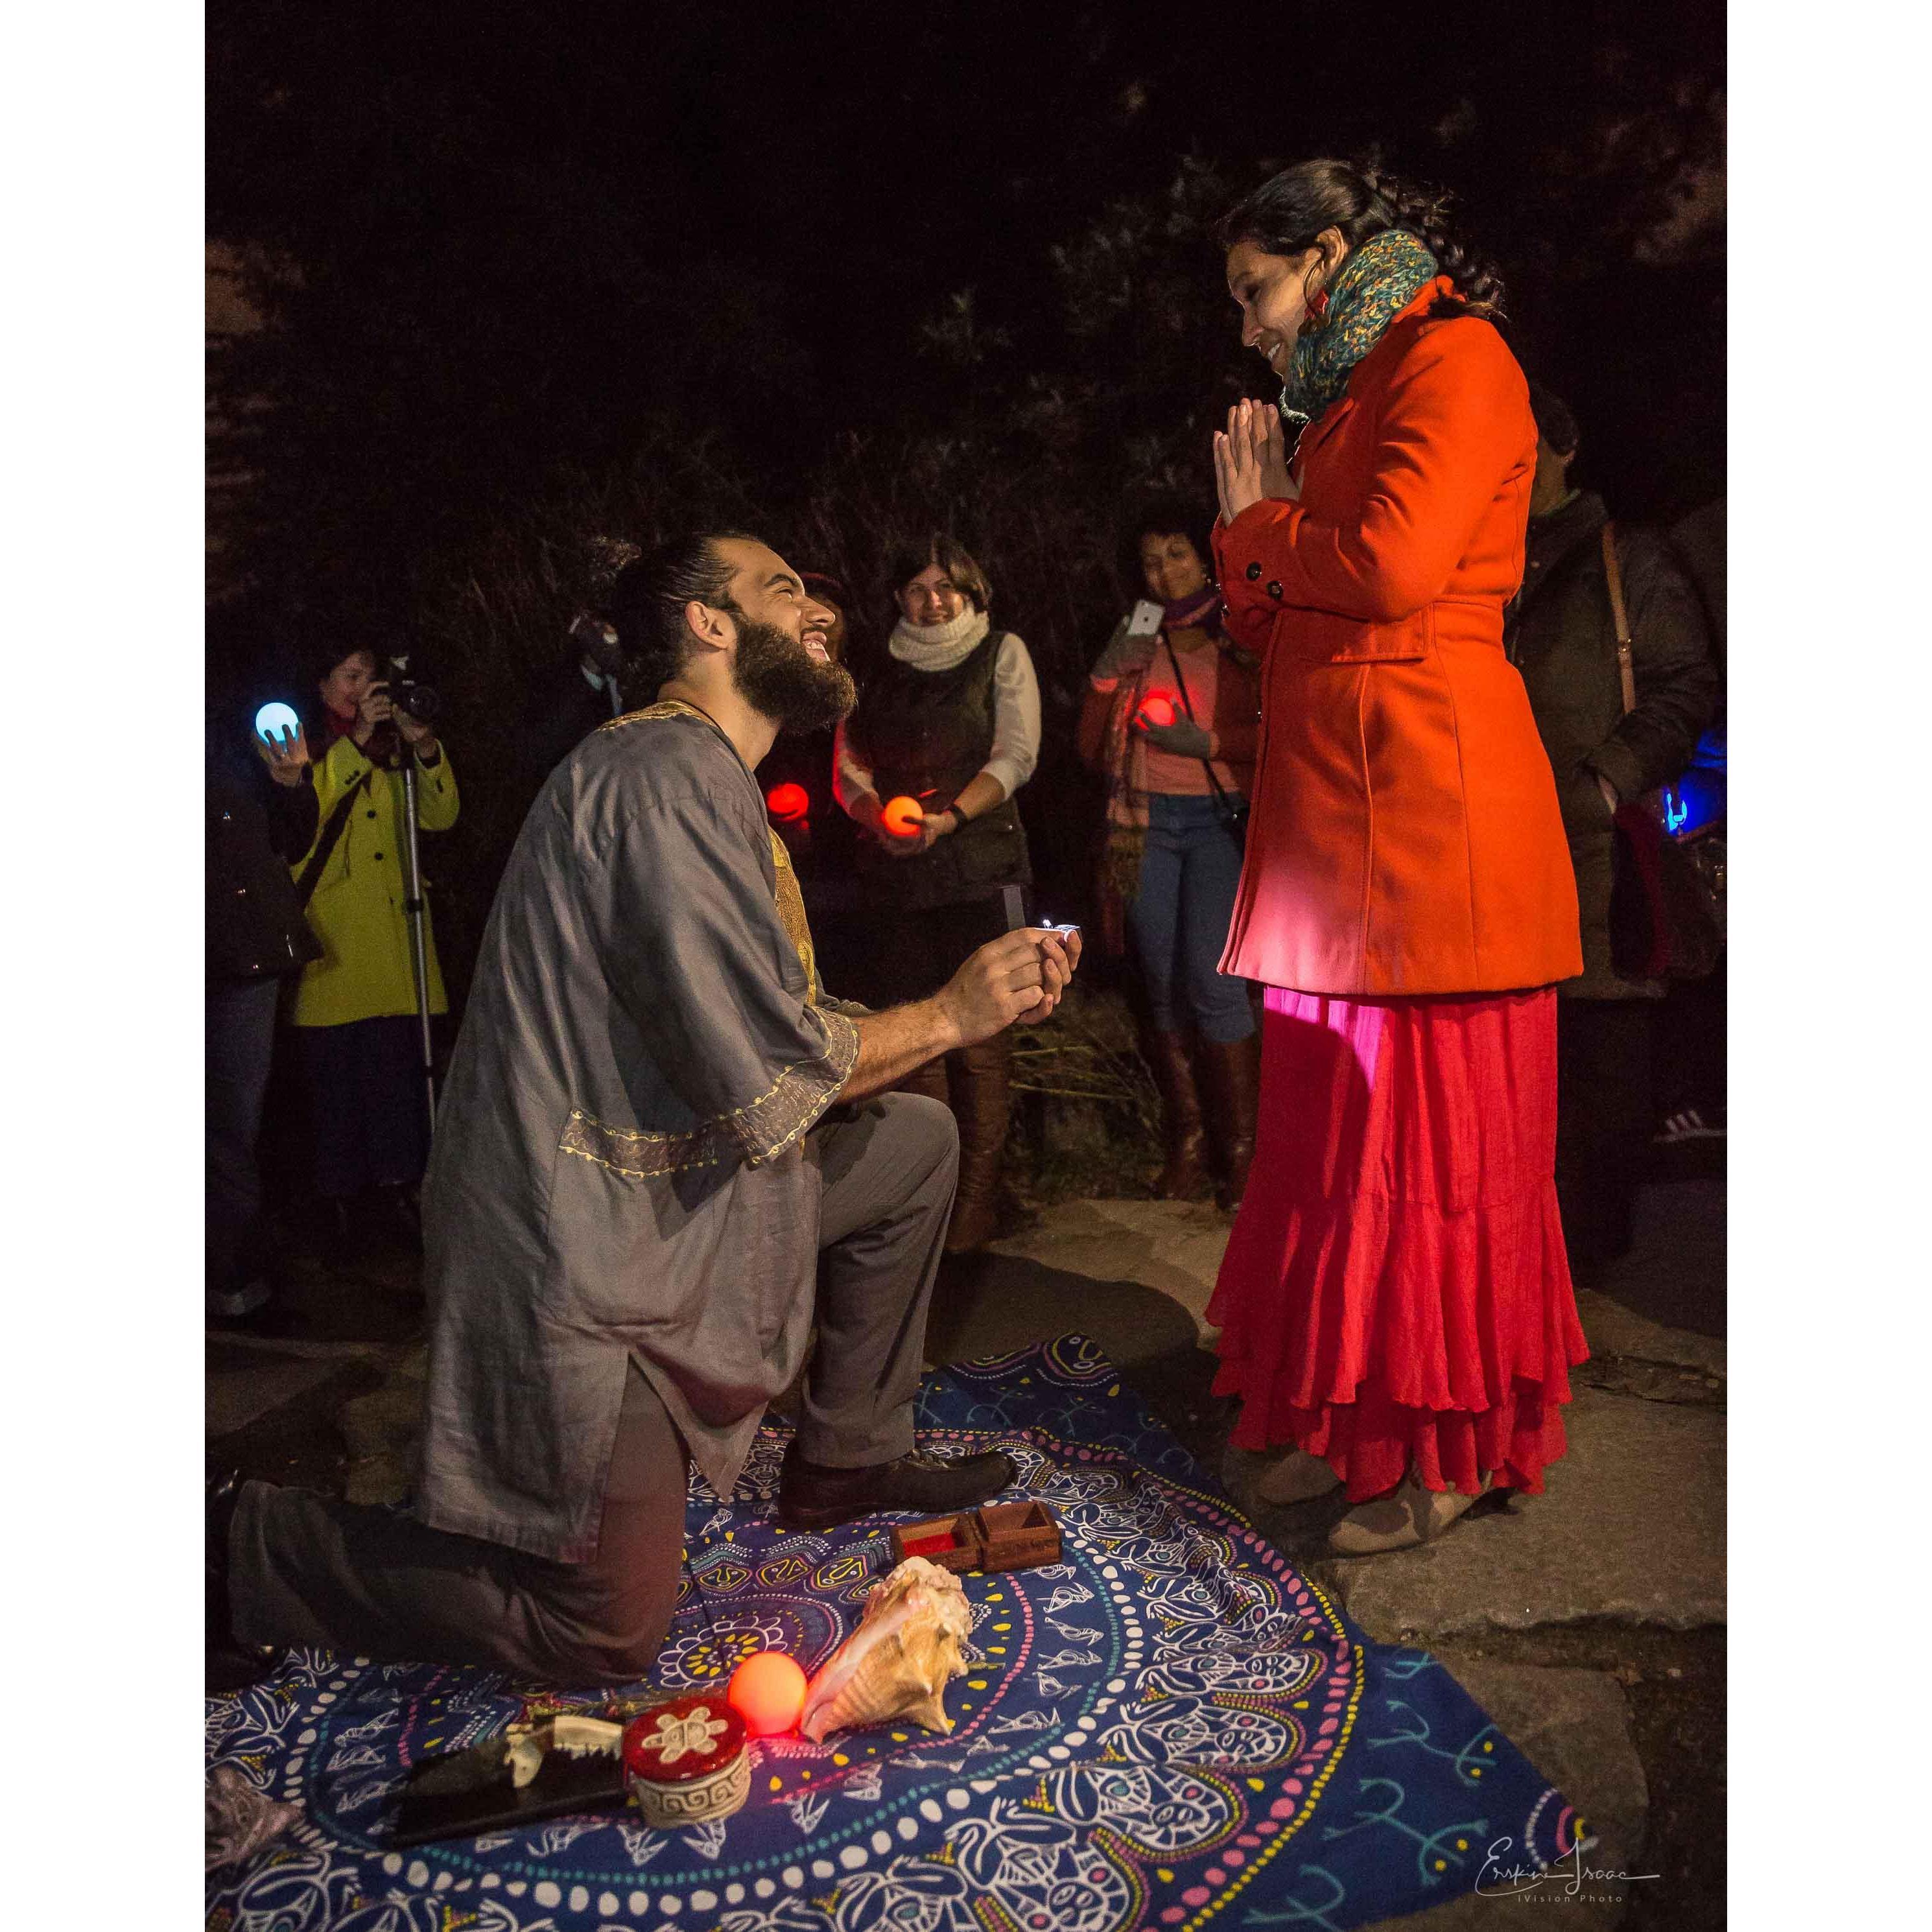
x,y
953,722
357,1036
1177,796
1396,1303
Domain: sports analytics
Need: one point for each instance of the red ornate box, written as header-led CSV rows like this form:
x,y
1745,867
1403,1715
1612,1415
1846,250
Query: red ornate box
x,y
685,1761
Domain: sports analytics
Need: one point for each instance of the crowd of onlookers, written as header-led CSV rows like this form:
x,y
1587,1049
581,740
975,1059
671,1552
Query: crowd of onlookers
x,y
906,827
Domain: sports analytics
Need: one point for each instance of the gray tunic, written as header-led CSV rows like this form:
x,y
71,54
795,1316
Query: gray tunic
x,y
620,1170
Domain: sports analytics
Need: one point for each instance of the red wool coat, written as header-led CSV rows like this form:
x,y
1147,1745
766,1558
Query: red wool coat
x,y
1404,837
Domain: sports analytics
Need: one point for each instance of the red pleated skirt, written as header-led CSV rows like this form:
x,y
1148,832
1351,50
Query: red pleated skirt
x,y
1395,1298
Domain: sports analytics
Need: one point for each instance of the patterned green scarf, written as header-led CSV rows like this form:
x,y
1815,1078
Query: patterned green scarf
x,y
1376,282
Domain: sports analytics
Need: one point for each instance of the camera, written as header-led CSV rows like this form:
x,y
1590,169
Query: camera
x,y
419,701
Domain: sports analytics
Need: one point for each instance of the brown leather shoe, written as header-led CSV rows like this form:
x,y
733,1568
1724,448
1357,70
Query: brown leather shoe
x,y
980,1101
811,1496
1231,1075
1184,1138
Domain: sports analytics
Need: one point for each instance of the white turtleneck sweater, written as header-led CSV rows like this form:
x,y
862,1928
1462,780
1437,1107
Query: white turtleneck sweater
x,y
937,647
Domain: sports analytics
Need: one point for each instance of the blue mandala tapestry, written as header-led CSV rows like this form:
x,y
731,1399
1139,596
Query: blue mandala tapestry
x,y
1169,1728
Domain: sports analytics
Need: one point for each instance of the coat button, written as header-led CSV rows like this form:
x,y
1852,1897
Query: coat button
x,y
1254,570
240,891
1274,589
369,814
379,855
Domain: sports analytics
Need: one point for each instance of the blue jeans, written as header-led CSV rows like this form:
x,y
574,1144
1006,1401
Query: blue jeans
x,y
240,1042
1179,919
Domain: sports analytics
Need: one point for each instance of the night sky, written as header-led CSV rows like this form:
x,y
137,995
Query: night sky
x,y
531,276
520,230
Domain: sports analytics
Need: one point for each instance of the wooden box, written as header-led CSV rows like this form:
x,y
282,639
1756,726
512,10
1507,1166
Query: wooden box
x,y
1002,1536
1017,1536
952,1542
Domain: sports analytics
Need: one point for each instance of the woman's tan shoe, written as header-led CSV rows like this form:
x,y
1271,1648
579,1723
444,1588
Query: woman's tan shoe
x,y
1298,1477
1412,1516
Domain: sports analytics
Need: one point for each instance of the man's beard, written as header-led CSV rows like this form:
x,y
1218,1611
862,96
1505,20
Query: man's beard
x,y
776,676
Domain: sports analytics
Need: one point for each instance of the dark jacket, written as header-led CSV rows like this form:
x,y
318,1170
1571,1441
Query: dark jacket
x,y
1561,634
926,734
256,828
566,715
1699,542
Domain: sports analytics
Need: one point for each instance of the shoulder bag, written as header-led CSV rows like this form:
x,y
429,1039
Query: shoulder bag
x,y
331,836
1232,812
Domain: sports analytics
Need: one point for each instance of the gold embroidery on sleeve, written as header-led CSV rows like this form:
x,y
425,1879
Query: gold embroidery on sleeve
x,y
792,915
754,1133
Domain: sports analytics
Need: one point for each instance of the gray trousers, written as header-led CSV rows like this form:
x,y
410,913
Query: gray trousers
x,y
306,1569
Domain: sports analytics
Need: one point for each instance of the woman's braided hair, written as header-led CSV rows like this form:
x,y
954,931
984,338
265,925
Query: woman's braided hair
x,y
1284,214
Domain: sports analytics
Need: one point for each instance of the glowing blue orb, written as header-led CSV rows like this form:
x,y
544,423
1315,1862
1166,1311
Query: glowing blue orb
x,y
276,722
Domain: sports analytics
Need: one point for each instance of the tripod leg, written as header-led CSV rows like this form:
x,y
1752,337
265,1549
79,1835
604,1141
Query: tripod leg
x,y
414,908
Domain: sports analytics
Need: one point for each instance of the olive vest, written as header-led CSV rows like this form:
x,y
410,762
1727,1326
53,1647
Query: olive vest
x,y
927,735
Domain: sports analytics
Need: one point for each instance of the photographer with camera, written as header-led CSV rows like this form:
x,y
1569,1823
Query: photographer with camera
x,y
355,1011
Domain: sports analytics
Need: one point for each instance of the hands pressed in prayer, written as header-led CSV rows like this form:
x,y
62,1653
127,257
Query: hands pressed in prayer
x,y
1251,459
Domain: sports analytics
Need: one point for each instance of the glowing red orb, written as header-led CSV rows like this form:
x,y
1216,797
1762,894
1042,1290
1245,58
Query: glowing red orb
x,y
788,802
903,817
1157,709
768,1691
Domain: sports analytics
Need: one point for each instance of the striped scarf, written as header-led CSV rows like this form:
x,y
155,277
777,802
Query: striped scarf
x,y
1374,285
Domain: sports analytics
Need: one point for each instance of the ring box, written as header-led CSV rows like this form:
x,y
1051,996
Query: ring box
x,y
685,1762
1001,1536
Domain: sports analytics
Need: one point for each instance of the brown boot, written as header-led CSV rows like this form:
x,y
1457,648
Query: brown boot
x,y
979,1105
1231,1074
1182,1135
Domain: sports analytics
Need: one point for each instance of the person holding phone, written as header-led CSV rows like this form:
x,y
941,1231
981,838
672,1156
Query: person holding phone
x,y
1171,721
354,1011
1396,1307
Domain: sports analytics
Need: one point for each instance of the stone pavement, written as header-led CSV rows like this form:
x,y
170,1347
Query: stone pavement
x,y
1588,1621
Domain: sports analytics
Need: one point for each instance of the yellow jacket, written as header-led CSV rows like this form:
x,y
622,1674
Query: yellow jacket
x,y
357,909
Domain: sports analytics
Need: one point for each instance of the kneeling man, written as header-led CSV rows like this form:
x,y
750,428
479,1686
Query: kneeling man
x,y
662,1150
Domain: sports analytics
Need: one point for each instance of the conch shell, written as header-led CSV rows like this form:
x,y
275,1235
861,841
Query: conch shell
x,y
898,1662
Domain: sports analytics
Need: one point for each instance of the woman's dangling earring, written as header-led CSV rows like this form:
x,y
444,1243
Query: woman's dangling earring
x,y
1314,302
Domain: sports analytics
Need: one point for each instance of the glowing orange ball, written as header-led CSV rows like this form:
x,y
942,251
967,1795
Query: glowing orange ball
x,y
768,1691
903,817
788,801
1157,709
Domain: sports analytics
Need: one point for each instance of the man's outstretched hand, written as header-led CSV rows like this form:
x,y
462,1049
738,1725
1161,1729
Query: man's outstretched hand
x,y
1018,977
